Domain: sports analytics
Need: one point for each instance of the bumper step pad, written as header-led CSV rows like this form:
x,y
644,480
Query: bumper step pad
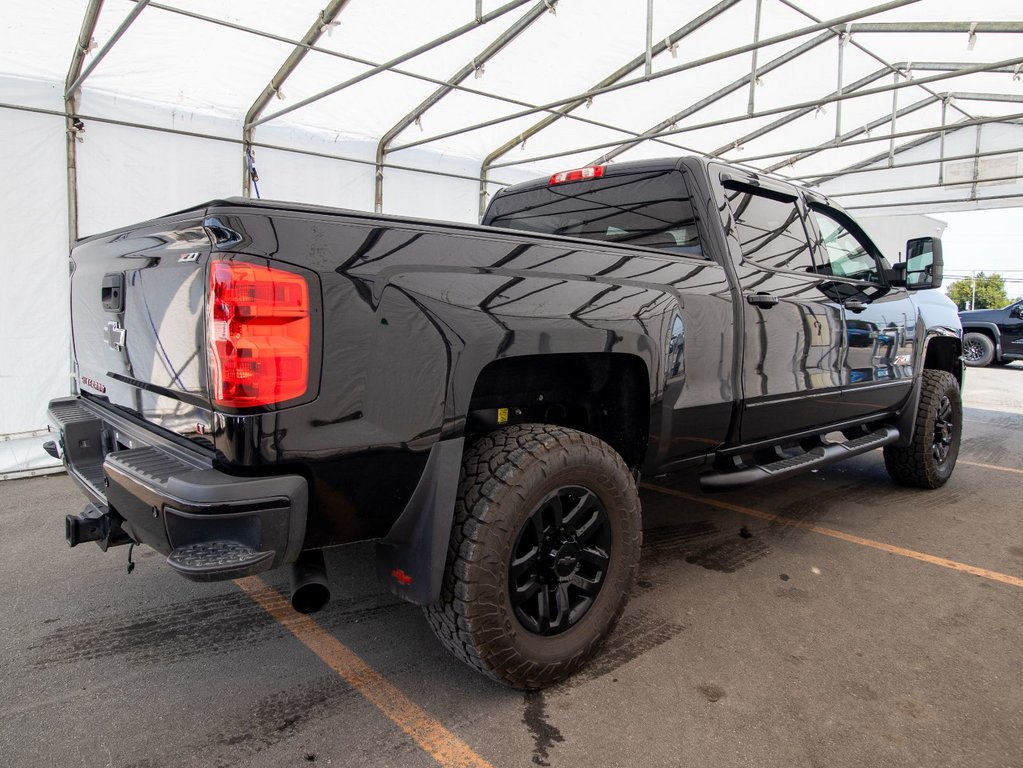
x,y
82,443
218,560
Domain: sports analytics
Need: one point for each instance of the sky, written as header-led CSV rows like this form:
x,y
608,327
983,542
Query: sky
x,y
988,241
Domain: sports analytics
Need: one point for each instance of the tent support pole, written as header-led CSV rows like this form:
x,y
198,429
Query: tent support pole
x,y
238,141
323,23
720,93
648,67
895,114
389,65
941,145
140,6
839,140
82,45
948,71
753,62
914,187
936,203
475,66
909,27
861,167
668,71
843,38
793,116
930,131
976,167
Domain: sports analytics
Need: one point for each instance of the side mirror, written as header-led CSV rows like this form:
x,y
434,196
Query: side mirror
x,y
924,266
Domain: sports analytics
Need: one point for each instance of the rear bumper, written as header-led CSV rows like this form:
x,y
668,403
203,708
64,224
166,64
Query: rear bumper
x,y
211,525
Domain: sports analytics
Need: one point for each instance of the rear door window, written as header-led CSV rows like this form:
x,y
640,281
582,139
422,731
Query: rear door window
x,y
770,229
646,208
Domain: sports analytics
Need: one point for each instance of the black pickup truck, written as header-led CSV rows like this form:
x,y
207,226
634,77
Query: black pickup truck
x,y
993,335
258,381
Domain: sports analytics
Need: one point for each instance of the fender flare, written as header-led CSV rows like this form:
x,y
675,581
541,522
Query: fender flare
x,y
906,419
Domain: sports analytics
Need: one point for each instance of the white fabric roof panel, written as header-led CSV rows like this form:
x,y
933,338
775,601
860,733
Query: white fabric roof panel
x,y
168,58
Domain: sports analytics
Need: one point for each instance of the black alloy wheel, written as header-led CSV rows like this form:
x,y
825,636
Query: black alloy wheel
x,y
928,458
973,351
978,349
944,430
560,560
544,547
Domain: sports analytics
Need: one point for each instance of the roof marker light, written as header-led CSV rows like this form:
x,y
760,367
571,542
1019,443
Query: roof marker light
x,y
578,174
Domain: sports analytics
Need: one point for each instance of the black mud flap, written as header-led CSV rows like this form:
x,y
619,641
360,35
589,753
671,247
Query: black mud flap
x,y
906,422
411,558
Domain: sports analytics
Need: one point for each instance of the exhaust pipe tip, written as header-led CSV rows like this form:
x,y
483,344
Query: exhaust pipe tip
x,y
310,590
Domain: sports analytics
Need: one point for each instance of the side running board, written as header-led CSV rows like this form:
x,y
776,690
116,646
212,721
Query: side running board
x,y
819,456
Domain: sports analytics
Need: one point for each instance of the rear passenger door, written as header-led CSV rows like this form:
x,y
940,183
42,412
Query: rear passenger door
x,y
794,339
880,320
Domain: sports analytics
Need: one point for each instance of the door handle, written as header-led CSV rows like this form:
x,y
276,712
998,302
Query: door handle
x,y
854,305
765,300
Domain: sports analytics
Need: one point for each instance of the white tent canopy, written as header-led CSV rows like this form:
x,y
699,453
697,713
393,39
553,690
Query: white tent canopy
x,y
424,108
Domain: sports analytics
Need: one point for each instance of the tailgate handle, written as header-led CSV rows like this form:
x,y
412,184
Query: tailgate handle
x,y
112,292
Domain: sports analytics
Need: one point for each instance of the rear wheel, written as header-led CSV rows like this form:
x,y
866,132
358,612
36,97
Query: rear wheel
x,y
978,349
929,460
544,549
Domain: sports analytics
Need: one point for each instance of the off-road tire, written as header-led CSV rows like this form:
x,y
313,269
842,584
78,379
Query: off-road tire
x,y
978,350
505,476
917,464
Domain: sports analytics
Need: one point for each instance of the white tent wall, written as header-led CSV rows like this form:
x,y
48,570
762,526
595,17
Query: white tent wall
x,y
998,178
890,233
127,175
316,180
34,344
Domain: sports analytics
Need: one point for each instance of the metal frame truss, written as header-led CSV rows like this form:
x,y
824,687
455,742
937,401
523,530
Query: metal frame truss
x,y
634,72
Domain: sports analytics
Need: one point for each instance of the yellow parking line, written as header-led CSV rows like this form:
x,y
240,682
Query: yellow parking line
x,y
891,548
436,740
991,466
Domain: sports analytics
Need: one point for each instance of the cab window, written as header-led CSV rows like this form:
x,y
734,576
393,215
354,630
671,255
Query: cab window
x,y
842,252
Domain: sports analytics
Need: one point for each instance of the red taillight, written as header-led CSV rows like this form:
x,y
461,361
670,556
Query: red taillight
x,y
579,174
258,334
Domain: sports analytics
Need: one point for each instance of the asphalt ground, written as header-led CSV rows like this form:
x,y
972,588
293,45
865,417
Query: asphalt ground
x,y
833,620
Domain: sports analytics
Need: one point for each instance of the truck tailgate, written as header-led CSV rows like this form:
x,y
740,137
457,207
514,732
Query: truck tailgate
x,y
137,318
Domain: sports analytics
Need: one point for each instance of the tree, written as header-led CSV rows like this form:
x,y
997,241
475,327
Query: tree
x,y
990,292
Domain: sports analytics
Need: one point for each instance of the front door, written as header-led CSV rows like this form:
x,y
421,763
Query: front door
x,y
794,339
880,320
